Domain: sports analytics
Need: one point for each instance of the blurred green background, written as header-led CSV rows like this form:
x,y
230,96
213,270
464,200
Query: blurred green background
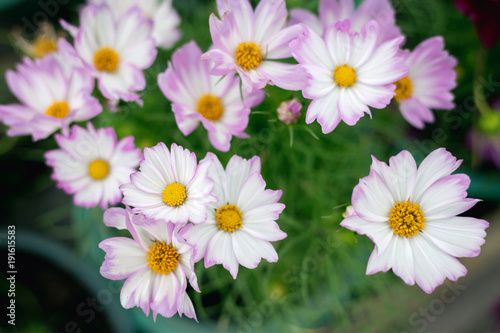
x,y
319,283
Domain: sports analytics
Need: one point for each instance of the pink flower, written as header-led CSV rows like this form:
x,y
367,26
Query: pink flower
x,y
241,225
156,263
249,42
116,49
347,72
92,164
198,96
411,216
349,211
170,186
54,91
289,111
428,84
333,11
45,41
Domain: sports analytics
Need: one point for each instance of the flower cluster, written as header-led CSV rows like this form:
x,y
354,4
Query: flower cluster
x,y
231,222
179,210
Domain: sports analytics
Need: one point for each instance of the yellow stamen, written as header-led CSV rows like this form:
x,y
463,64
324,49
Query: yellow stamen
x,y
248,55
162,259
106,59
174,194
345,76
58,110
406,219
43,46
228,218
404,88
98,169
210,107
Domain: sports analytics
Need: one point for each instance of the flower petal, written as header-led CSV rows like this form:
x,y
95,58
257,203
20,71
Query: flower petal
x,y
325,110
137,290
446,197
458,236
371,199
433,266
123,258
220,250
276,45
380,233
438,164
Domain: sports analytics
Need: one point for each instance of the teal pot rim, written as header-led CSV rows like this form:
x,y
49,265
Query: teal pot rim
x,y
62,257
4,4
484,184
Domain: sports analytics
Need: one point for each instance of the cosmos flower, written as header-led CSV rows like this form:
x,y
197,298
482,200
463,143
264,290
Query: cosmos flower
x,y
156,263
241,224
333,11
45,41
54,92
198,96
347,72
249,42
170,186
116,50
165,18
411,216
429,82
92,164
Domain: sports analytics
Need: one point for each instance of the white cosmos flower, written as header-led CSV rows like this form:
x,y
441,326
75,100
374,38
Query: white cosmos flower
x,y
241,225
197,96
170,186
53,92
156,263
165,18
411,216
115,49
92,164
347,72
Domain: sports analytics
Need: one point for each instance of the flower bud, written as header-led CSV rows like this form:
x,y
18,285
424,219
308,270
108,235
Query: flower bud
x,y
289,111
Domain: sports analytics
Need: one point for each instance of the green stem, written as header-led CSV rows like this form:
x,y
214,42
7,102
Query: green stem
x,y
311,132
478,89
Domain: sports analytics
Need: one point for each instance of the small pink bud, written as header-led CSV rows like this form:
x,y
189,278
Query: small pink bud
x,y
349,211
289,111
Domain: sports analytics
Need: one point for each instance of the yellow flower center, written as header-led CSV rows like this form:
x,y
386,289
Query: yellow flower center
x,y
98,169
248,55
162,259
58,110
404,88
43,46
406,219
210,107
345,76
174,194
106,59
228,218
